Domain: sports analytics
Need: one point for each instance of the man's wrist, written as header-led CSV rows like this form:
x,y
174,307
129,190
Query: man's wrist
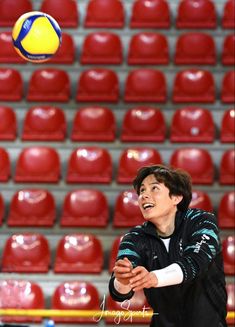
x,y
121,288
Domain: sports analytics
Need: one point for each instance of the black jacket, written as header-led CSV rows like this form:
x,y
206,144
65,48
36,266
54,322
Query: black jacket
x,y
200,300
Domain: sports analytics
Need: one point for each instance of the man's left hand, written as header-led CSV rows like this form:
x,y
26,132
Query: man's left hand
x,y
142,278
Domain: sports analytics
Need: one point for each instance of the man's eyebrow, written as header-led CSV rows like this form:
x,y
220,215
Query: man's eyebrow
x,y
153,183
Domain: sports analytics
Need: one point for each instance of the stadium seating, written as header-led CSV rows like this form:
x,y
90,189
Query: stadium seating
x,y
228,16
11,85
5,168
195,49
11,10
226,210
7,124
228,51
85,208
20,294
38,164
228,246
201,200
65,12
227,168
113,252
66,53
143,124
150,14
94,123
75,295
79,253
101,48
49,85
227,129
7,52
145,85
197,162
32,207
131,159
104,14
228,87
196,14
192,124
44,123
26,253
148,48
127,212
2,209
230,287
98,85
194,85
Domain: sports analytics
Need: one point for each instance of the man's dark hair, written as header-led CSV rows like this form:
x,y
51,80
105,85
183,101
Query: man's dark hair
x,y
176,180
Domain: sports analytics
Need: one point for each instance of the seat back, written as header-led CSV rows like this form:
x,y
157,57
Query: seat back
x,y
228,15
11,10
228,87
5,168
227,129
226,210
228,247
2,209
7,123
113,252
11,85
228,51
7,51
227,168
66,53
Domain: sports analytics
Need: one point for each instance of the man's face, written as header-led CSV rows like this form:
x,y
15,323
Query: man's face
x,y
154,200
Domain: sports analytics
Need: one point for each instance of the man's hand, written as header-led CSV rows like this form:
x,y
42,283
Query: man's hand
x,y
142,278
123,271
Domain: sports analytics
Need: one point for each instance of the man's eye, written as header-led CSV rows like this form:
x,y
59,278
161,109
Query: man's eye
x,y
141,190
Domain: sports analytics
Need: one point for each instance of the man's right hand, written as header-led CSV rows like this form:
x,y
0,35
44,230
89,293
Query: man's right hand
x,y
123,271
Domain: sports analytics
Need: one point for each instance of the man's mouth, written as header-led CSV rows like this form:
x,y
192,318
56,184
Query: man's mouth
x,y
147,206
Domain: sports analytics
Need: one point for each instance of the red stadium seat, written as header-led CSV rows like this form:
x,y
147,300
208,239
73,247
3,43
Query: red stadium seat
x,y
94,123
227,168
89,164
228,246
26,253
5,167
197,162
101,48
195,49
226,210
228,87
134,158
201,200
227,130
148,48
79,253
192,124
194,85
230,287
2,209
44,123
104,13
150,14
143,124
7,52
49,85
38,164
11,85
228,16
65,12
145,85
98,85
32,207
137,303
66,52
75,295
11,10
85,208
7,124
127,212
196,14
228,51
20,294
113,252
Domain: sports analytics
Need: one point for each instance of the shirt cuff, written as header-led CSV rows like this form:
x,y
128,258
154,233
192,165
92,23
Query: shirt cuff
x,y
170,275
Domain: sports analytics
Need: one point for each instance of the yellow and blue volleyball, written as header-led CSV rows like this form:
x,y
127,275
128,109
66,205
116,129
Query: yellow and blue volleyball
x,y
36,36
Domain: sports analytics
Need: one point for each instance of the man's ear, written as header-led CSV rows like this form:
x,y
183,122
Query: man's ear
x,y
177,199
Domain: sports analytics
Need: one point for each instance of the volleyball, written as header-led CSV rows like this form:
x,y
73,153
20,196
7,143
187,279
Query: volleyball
x,y
36,36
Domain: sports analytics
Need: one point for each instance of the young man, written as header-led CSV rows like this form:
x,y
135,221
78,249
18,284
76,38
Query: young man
x,y
175,256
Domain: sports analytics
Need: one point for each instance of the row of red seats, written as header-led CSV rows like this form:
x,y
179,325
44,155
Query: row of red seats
x,y
102,85
144,48
95,123
78,295
90,208
111,13
90,164
75,253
